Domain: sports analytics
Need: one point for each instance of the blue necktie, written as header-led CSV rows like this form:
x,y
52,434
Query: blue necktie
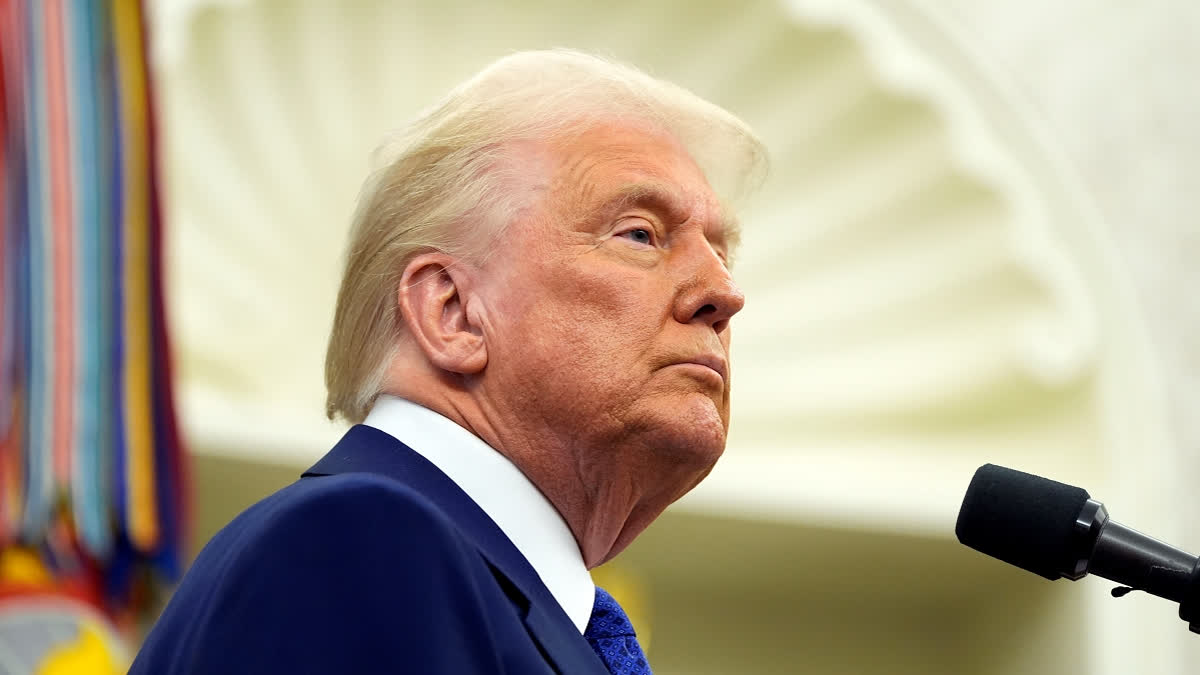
x,y
611,635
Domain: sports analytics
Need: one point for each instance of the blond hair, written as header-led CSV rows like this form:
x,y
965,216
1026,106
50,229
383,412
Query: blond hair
x,y
442,183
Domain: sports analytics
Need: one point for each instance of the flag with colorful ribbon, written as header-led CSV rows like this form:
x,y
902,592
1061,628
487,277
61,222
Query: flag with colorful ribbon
x,y
92,473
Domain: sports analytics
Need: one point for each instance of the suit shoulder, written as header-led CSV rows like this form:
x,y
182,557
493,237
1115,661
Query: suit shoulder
x,y
341,509
336,564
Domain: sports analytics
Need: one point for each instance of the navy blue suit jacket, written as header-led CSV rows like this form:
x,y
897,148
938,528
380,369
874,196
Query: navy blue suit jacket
x,y
373,562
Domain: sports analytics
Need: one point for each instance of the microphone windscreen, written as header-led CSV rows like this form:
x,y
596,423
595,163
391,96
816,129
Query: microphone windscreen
x,y
1022,519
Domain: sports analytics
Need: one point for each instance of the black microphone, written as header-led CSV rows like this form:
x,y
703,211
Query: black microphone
x,y
1057,530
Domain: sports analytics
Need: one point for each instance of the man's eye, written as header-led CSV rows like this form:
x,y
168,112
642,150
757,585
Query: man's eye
x,y
641,235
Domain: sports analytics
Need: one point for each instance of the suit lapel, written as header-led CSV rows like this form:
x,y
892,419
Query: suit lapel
x,y
369,450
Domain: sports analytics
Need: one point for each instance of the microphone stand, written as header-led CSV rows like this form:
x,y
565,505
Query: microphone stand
x,y
1189,609
1139,562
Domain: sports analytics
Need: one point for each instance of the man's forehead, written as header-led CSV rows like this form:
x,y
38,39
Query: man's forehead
x,y
609,153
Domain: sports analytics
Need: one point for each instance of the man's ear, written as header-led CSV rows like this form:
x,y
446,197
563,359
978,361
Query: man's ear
x,y
432,298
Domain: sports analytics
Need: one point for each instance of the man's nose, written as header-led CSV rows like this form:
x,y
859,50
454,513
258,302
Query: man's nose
x,y
707,290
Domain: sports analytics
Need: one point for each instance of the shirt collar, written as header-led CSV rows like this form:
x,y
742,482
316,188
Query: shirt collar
x,y
520,510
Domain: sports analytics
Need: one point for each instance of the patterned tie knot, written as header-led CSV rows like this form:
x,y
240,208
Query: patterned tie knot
x,y
611,635
608,619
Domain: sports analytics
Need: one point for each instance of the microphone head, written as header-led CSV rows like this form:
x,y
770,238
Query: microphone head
x,y
1022,519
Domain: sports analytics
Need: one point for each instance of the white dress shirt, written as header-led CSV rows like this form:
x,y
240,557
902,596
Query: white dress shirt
x,y
504,493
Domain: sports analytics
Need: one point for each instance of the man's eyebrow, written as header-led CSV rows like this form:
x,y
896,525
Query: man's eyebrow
x,y
665,202
649,196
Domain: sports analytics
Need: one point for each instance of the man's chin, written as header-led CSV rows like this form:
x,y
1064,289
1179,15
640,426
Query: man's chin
x,y
695,435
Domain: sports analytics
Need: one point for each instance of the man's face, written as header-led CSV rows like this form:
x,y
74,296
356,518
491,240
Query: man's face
x,y
608,310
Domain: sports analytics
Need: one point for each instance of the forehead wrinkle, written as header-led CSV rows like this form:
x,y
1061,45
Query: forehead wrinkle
x,y
572,184
577,167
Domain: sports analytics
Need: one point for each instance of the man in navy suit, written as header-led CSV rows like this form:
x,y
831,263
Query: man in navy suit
x,y
532,341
